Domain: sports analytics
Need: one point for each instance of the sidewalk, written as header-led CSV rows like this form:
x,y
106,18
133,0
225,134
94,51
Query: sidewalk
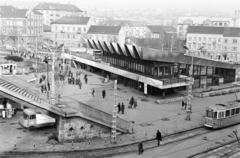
x,y
148,117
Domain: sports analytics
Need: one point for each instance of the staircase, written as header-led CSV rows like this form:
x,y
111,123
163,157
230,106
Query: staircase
x,y
10,87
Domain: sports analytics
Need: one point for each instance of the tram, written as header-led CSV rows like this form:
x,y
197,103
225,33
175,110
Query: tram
x,y
31,119
222,115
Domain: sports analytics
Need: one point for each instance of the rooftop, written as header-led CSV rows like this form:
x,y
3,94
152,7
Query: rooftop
x,y
72,20
57,6
11,12
160,29
225,31
120,22
100,29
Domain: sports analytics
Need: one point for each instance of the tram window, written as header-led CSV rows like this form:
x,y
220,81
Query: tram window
x,y
215,115
233,112
32,117
237,110
227,113
25,116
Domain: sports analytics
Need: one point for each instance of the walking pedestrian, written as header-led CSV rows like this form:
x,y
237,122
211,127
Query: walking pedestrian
x,y
131,102
48,85
80,84
158,137
140,148
183,104
103,93
85,78
93,92
122,108
119,107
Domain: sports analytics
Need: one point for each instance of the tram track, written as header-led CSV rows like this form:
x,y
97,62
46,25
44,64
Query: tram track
x,y
113,150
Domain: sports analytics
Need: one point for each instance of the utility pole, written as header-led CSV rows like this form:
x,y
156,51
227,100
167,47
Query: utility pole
x,y
53,94
114,115
189,97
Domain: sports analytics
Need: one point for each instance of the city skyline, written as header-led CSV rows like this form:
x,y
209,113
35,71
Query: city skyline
x,y
187,5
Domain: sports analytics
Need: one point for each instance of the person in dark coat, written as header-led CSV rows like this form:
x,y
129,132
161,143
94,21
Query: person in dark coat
x,y
119,107
131,102
158,137
122,108
183,104
93,92
140,148
103,93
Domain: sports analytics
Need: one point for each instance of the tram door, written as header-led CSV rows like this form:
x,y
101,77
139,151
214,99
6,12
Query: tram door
x,y
220,118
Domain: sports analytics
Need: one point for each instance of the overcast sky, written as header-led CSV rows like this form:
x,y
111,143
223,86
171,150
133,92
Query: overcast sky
x,y
204,5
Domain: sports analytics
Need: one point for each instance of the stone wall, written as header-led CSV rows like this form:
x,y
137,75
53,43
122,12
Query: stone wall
x,y
76,129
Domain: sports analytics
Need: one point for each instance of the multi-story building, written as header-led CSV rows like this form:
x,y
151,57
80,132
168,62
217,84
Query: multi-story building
x,y
20,24
184,22
70,30
132,29
107,33
219,43
54,11
165,36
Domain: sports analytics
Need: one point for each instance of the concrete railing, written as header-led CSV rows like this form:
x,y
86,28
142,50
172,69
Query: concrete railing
x,y
102,116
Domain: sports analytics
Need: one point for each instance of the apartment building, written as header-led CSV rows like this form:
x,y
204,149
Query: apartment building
x,y
23,24
54,11
218,43
184,22
70,30
107,33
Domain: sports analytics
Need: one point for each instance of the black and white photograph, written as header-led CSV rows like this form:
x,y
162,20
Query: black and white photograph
x,y
119,79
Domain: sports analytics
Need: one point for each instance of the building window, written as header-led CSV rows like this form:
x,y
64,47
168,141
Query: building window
x,y
195,38
204,39
225,48
219,40
234,41
189,38
234,48
199,38
56,28
73,28
209,39
225,41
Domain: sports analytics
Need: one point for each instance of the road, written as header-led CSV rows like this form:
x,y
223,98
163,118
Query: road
x,y
186,148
